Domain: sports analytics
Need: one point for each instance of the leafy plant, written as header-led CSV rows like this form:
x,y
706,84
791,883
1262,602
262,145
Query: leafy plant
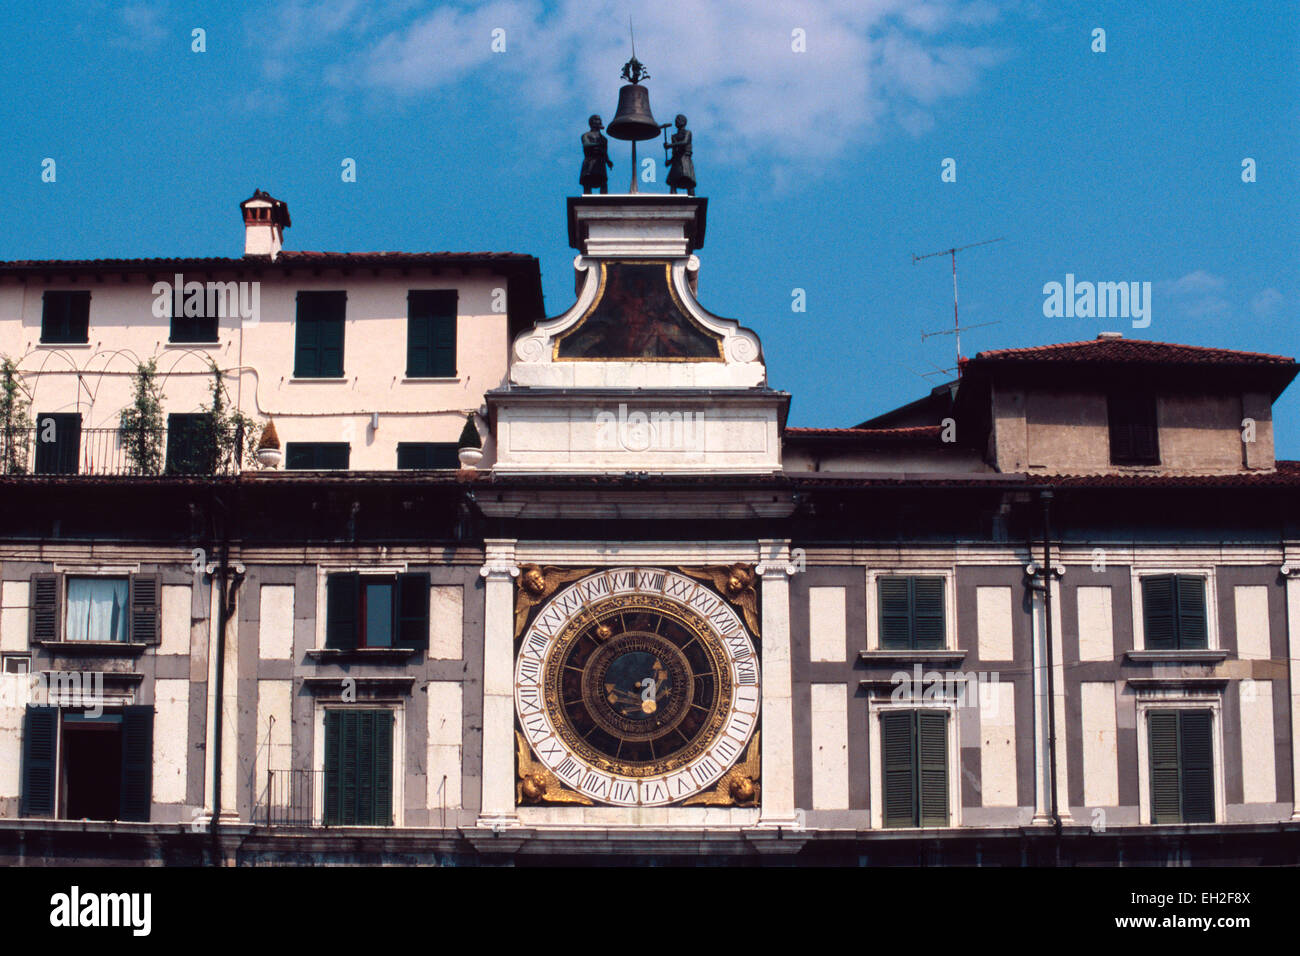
x,y
232,432
15,420
142,421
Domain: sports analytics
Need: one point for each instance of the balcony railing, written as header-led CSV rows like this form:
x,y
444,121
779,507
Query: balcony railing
x,y
289,798
108,451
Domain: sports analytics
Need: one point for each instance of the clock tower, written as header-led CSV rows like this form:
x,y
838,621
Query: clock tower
x,y
636,667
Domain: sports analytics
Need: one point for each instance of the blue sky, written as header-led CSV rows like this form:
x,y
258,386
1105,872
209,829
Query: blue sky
x,y
822,167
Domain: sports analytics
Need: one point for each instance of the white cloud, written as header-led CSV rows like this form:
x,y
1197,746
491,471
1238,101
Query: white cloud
x,y
1266,302
1194,283
869,66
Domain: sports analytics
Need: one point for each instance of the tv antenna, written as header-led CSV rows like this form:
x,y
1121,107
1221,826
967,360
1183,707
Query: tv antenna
x,y
956,323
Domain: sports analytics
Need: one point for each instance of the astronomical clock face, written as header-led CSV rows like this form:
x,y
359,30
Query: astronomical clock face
x,y
636,687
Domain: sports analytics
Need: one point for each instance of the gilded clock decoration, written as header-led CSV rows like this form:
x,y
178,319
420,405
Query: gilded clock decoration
x,y
636,686
738,786
536,585
537,784
737,584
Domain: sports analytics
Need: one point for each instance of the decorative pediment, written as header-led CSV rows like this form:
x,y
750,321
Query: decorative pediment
x,y
633,317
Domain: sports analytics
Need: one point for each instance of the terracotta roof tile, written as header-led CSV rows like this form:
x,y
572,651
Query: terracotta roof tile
x,y
1132,351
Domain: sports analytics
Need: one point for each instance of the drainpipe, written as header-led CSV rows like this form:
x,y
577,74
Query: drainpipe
x,y
1046,498
225,605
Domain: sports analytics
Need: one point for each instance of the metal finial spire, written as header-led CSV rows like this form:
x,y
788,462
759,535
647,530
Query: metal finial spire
x,y
634,70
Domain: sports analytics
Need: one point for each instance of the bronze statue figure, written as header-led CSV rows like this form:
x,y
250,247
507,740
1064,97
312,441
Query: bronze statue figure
x,y
681,167
595,158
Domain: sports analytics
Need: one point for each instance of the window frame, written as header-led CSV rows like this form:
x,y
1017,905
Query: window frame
x,y
47,620
61,453
398,709
1190,700
295,446
1139,610
196,334
73,295
317,370
451,447
876,709
1128,400
949,608
393,575
432,334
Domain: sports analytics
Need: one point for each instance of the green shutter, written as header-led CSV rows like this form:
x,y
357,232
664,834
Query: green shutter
x,y
145,600
1197,759
1162,743
419,363
46,590
40,732
137,763
1192,631
1159,623
365,768
443,333
331,338
383,768
894,598
927,613
306,362
932,767
411,609
342,604
897,750
333,765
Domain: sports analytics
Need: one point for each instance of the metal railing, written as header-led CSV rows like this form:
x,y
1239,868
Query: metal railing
x,y
290,798
105,451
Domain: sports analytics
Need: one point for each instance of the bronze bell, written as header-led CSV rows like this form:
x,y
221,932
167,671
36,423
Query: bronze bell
x,y
633,120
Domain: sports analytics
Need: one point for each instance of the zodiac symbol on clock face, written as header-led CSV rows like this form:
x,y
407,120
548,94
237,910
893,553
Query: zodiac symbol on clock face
x,y
644,694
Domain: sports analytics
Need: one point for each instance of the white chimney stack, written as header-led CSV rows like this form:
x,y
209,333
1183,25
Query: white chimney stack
x,y
265,220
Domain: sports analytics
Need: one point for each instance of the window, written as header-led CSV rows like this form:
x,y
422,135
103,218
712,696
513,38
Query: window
x,y
1132,419
359,768
17,664
318,349
911,612
76,766
191,444
1182,766
65,317
376,610
58,443
1173,612
107,609
96,609
431,334
198,328
914,758
427,455
317,456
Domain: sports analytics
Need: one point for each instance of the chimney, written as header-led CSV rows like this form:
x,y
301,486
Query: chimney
x,y
265,220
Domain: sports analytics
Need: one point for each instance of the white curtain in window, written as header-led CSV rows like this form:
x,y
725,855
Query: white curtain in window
x,y
97,609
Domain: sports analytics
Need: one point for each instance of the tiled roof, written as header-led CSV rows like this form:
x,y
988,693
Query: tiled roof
x,y
1132,351
285,257
867,435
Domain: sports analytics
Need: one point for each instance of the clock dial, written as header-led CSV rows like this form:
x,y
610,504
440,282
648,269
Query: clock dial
x,y
637,686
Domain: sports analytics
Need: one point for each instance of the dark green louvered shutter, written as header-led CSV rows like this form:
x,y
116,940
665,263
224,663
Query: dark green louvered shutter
x,y
431,334
342,601
412,611
46,589
306,354
1160,626
145,600
1162,742
382,750
364,768
895,611
932,767
1192,630
927,613
333,765
40,733
333,310
898,753
137,763
1197,766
